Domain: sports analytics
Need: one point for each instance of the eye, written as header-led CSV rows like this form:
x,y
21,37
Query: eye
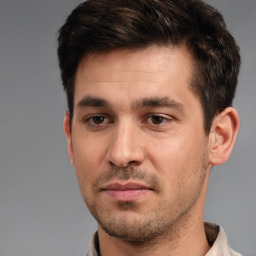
x,y
97,120
158,119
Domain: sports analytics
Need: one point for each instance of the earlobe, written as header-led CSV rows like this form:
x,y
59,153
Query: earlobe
x,y
223,135
67,130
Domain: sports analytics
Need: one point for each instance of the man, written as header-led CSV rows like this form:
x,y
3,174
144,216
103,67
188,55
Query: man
x,y
149,85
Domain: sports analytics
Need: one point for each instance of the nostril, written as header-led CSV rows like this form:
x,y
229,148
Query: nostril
x,y
123,165
132,163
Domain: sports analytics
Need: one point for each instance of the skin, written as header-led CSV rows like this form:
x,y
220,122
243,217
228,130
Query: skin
x,y
141,155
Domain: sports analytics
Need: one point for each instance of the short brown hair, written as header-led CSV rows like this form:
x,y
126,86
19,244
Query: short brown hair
x,y
97,26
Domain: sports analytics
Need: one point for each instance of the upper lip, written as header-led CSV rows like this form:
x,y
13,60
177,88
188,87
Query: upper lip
x,y
126,186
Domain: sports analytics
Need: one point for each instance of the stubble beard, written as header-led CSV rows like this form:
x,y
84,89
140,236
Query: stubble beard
x,y
135,230
162,221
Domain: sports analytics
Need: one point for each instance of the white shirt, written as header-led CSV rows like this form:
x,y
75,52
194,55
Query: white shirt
x,y
217,239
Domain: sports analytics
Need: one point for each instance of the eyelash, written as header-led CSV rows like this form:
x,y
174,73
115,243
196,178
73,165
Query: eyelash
x,y
90,121
162,117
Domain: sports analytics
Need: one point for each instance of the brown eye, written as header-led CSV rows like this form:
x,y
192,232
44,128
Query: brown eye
x,y
157,119
98,120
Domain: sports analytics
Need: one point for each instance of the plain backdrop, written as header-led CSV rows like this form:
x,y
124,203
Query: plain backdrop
x,y
41,210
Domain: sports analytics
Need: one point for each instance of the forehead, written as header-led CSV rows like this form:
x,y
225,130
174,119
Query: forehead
x,y
150,60
154,71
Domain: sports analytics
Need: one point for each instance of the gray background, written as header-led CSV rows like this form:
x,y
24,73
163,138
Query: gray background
x,y
41,210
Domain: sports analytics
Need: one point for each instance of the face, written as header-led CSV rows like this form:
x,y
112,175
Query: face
x,y
137,141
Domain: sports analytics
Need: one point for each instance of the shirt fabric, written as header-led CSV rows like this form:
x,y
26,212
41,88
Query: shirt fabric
x,y
215,235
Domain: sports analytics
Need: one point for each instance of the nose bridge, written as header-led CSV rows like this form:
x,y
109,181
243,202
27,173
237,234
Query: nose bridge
x,y
126,144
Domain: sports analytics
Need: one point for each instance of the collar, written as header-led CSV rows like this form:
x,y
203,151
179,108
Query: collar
x,y
218,241
215,235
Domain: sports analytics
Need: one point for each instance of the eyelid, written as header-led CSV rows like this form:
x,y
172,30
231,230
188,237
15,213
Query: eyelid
x,y
164,116
161,115
88,118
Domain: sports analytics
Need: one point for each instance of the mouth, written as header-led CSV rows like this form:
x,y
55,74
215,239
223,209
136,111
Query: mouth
x,y
126,192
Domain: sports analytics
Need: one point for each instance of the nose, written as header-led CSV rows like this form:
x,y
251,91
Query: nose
x,y
126,147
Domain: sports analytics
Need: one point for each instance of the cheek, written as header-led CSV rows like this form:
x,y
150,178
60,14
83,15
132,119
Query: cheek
x,y
168,153
88,156
177,158
87,149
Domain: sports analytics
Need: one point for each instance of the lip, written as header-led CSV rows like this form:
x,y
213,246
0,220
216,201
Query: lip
x,y
126,192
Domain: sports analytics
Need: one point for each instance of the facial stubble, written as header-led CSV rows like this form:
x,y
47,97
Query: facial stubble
x,y
132,225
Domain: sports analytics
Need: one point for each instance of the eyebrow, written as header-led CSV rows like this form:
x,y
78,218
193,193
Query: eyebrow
x,y
158,102
90,101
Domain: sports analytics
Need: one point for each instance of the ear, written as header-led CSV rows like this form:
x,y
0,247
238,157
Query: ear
x,y
223,135
67,130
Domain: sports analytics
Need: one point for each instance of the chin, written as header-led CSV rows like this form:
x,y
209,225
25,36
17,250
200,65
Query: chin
x,y
133,227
